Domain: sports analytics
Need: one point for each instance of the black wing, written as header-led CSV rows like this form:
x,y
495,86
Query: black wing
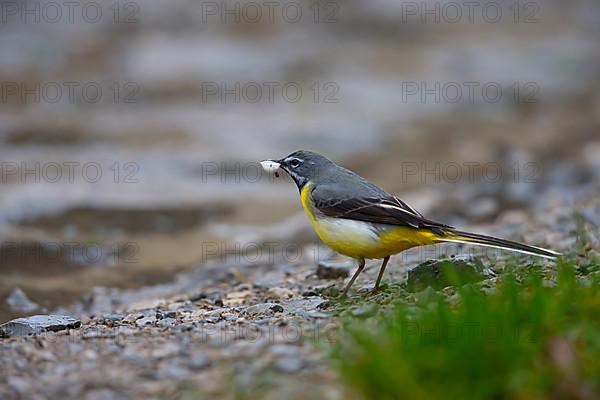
x,y
386,209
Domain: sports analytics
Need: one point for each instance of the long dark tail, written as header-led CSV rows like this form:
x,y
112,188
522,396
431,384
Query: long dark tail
x,y
490,241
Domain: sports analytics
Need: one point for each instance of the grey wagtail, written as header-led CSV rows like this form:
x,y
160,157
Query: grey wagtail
x,y
358,219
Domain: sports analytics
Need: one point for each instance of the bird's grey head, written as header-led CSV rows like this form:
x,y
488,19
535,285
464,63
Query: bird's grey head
x,y
303,166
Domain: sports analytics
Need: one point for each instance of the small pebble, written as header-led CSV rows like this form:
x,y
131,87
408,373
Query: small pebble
x,y
198,361
279,293
329,270
277,308
289,364
145,321
166,323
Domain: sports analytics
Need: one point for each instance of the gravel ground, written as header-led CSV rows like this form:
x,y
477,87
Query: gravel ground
x,y
226,329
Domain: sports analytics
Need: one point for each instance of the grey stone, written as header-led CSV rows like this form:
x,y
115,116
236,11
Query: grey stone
x,y
317,315
431,274
169,314
329,270
284,350
172,371
303,306
289,364
279,293
37,324
269,281
18,301
74,348
277,308
198,361
260,308
112,319
327,290
145,321
166,322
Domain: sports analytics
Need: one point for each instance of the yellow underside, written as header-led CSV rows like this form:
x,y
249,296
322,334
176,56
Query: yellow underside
x,y
356,243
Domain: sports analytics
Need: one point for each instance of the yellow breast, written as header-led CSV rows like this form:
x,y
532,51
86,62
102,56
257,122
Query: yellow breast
x,y
360,239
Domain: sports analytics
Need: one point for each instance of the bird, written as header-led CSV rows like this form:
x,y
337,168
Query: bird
x,y
358,219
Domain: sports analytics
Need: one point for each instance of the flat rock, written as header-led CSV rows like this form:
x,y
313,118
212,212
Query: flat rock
x,y
329,270
439,274
262,308
38,324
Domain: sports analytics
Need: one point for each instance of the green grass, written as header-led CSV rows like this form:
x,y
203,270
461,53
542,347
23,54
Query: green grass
x,y
534,334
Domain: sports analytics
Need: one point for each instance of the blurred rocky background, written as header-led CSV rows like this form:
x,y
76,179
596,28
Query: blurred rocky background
x,y
131,131
131,197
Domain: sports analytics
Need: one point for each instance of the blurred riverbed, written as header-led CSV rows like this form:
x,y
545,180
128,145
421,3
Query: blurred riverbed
x,y
154,156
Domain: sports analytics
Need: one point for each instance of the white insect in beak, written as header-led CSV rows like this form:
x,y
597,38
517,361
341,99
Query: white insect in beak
x,y
271,167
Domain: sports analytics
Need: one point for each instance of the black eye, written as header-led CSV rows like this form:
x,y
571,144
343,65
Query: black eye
x,y
294,163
